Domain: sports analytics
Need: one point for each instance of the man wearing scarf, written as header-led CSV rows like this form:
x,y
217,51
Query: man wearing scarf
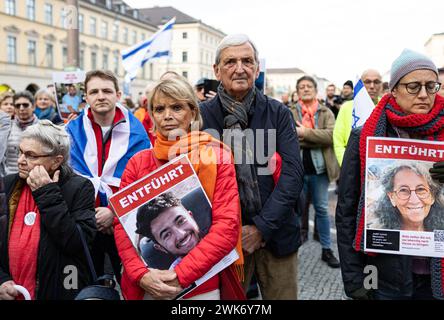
x,y
315,132
252,124
104,137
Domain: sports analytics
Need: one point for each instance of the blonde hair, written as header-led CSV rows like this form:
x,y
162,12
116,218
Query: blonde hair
x,y
177,89
6,95
44,92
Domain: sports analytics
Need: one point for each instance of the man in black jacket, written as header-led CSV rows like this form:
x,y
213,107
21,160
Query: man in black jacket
x,y
256,127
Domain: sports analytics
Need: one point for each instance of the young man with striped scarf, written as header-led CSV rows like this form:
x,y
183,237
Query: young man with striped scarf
x,y
103,138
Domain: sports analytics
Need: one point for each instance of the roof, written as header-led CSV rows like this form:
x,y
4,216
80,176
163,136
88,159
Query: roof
x,y
285,70
161,15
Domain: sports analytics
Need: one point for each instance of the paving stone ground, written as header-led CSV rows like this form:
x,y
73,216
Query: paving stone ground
x,y
316,280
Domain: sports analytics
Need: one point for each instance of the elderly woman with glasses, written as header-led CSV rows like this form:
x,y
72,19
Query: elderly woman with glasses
x,y
24,117
48,207
412,110
411,200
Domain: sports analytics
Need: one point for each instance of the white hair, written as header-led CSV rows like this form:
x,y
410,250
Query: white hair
x,y
53,137
235,40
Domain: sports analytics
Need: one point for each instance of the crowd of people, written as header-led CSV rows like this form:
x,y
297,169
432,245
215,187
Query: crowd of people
x,y
261,163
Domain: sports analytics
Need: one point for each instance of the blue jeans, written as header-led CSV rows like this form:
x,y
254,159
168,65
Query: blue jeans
x,y
316,185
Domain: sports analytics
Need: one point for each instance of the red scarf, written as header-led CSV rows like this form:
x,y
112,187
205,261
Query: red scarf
x,y
308,113
24,241
428,126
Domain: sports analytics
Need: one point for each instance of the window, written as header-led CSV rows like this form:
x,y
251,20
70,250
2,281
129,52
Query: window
x,y
12,49
30,9
184,35
142,37
63,18
116,31
125,35
81,23
105,61
10,7
116,63
185,74
134,36
48,14
109,4
82,59
184,56
49,55
64,56
104,29
32,57
93,60
92,26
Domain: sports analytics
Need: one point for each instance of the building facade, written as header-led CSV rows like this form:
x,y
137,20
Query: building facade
x,y
282,80
434,48
35,34
193,46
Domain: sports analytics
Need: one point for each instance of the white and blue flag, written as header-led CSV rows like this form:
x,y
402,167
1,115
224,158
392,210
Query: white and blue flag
x,y
362,105
127,138
159,45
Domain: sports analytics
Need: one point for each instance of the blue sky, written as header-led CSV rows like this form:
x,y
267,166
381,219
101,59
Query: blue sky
x,y
335,39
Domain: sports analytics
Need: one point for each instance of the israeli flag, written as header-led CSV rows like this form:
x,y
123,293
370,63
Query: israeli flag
x,y
127,138
362,105
159,45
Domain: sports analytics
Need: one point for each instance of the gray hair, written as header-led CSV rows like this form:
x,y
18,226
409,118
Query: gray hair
x,y
235,40
54,138
45,92
389,176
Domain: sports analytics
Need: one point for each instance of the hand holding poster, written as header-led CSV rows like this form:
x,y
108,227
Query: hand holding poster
x,y
404,207
165,215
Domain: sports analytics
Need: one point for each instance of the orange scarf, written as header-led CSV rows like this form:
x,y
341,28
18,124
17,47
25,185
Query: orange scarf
x,y
308,113
200,149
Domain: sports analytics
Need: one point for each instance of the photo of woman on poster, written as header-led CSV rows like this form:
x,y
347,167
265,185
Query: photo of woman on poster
x,y
411,200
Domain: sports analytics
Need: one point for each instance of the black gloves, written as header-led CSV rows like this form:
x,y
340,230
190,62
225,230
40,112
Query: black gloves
x,y
437,172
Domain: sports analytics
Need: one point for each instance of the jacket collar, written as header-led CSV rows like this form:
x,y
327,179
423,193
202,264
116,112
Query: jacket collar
x,y
217,115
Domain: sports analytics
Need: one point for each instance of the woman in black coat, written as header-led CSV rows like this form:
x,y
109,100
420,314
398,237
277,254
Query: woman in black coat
x,y
40,244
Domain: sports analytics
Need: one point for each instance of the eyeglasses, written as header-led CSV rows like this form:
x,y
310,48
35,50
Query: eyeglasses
x,y
375,82
404,193
415,87
33,157
24,105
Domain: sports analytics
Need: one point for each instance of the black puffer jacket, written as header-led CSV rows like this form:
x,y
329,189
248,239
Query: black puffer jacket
x,y
394,271
61,205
